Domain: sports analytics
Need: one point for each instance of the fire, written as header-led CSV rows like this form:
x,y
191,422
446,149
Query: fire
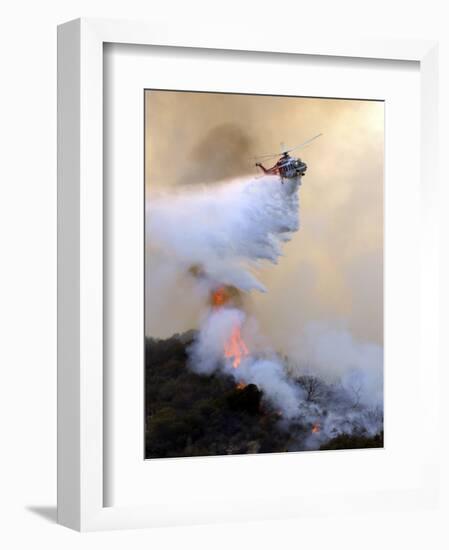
x,y
316,428
219,297
235,348
241,386
225,295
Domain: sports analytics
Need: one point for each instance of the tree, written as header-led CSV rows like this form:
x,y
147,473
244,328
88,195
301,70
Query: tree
x,y
313,386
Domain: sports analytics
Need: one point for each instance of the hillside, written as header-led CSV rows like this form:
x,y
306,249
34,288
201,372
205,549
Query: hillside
x,y
188,414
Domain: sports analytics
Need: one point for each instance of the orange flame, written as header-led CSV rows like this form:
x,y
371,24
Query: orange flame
x,y
316,428
219,297
235,348
241,386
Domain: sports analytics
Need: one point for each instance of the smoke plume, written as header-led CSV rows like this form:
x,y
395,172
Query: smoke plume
x,y
207,237
333,269
224,231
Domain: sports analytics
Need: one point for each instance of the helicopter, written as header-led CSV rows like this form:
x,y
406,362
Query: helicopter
x,y
287,167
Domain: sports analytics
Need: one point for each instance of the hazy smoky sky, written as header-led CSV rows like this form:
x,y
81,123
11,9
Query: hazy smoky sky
x,y
332,270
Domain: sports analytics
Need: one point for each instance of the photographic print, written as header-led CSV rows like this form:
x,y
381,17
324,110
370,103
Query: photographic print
x,y
263,274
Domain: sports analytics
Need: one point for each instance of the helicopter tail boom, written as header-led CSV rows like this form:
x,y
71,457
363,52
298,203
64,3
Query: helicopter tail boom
x,y
267,170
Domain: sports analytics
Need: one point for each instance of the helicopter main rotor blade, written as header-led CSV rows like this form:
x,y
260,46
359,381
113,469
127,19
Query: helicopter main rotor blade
x,y
304,144
266,157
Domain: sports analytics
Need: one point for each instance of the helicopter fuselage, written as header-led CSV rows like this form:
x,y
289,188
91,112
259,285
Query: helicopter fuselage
x,y
286,167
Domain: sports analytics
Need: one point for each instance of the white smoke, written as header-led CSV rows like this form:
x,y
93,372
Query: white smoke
x,y
226,229
262,368
203,237
331,353
206,353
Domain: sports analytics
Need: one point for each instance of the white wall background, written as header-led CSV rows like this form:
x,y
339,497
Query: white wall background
x,y
28,269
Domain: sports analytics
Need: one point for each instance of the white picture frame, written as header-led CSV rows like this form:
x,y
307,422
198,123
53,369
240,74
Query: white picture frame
x,y
81,475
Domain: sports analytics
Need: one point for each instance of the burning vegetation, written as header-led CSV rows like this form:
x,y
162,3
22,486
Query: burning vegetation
x,y
235,348
226,295
222,389
207,393
191,414
188,414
